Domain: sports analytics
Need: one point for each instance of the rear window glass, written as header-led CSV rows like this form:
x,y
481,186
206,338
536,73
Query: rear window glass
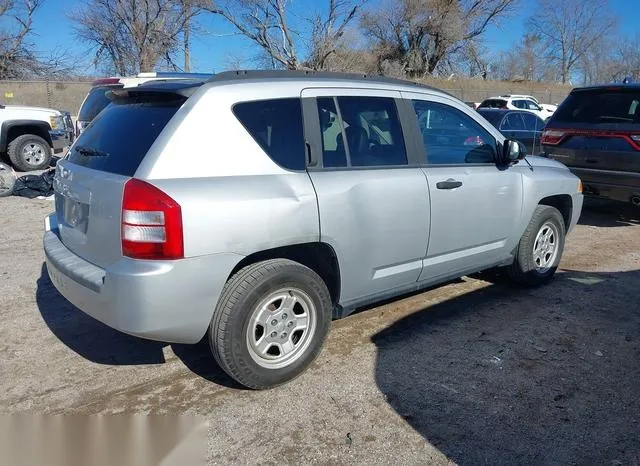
x,y
600,107
119,138
492,117
95,102
494,103
277,126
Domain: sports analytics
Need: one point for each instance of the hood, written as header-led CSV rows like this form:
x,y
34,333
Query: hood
x,y
24,108
537,161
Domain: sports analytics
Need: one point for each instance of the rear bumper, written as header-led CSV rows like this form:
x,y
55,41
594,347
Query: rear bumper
x,y
170,301
609,184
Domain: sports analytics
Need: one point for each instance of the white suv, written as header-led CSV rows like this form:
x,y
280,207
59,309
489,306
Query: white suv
x,y
520,102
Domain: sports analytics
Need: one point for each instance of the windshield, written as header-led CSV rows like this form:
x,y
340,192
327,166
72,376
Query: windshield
x,y
95,102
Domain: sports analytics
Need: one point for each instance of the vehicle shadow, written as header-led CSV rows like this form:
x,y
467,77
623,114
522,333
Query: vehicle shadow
x,y
605,213
101,344
513,376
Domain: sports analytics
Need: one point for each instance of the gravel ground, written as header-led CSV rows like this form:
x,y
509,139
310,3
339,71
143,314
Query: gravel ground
x,y
470,373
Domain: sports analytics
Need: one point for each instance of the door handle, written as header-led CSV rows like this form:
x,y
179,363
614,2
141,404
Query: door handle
x,y
591,160
449,184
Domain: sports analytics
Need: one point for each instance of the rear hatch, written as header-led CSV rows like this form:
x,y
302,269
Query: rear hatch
x,y
89,183
598,129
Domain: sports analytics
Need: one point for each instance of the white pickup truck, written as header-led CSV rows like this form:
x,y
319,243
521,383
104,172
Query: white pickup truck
x,y
29,136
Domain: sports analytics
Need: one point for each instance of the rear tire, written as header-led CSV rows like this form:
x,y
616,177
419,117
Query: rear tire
x,y
29,152
540,248
270,322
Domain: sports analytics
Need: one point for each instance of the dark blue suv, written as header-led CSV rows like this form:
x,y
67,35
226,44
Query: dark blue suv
x,y
596,133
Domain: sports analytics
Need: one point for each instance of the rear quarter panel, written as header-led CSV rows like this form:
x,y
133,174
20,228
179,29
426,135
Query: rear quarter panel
x,y
234,198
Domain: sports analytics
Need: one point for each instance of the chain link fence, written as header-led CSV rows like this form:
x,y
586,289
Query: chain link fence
x,y
61,95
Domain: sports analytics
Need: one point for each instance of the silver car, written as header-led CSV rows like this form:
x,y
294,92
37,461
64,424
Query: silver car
x,y
255,207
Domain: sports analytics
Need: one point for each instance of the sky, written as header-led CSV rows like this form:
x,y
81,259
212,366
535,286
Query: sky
x,y
215,49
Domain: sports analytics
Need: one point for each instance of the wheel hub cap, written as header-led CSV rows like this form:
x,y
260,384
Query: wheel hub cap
x,y
545,248
281,328
33,154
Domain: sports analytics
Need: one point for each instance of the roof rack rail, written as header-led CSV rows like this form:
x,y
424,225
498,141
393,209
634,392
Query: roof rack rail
x,y
311,74
174,74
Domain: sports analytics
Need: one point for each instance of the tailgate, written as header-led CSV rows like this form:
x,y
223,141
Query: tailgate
x,y
89,184
88,208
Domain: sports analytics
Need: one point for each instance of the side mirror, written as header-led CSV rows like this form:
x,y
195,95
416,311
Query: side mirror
x,y
512,151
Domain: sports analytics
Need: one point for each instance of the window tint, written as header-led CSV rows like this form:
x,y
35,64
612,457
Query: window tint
x,y
532,122
600,106
512,122
492,116
277,126
120,136
334,154
532,105
95,102
368,125
452,137
493,103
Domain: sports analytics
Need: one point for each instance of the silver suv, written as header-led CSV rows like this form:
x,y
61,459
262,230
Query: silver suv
x,y
255,207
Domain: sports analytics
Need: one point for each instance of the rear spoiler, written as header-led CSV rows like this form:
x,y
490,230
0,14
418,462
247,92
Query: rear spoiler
x,y
157,90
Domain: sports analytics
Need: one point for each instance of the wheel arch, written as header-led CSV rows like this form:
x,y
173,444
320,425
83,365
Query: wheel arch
x,y
319,257
11,129
563,203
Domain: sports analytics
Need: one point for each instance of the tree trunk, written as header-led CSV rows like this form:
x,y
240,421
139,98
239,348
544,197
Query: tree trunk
x,y
187,33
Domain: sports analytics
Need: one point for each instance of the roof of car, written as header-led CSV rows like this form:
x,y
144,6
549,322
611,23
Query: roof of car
x,y
503,110
608,87
316,76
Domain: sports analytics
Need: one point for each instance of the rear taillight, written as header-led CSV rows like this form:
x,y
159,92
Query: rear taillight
x,y
552,137
151,223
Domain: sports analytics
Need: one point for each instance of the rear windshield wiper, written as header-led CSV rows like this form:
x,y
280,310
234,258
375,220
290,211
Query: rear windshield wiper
x,y
89,152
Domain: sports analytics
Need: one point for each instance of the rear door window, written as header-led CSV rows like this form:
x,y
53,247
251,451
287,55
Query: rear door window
x,y
512,122
95,102
276,125
600,107
532,122
364,132
119,138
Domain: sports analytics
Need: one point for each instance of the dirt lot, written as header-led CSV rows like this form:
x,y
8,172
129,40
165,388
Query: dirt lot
x,y
470,373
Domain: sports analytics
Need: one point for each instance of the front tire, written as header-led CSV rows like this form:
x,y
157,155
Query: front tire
x,y
270,322
29,152
540,248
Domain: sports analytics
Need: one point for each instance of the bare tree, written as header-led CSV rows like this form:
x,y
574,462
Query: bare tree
x,y
421,34
268,23
135,35
570,28
18,57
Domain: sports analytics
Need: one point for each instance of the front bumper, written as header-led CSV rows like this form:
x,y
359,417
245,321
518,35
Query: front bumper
x,y
170,301
577,200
